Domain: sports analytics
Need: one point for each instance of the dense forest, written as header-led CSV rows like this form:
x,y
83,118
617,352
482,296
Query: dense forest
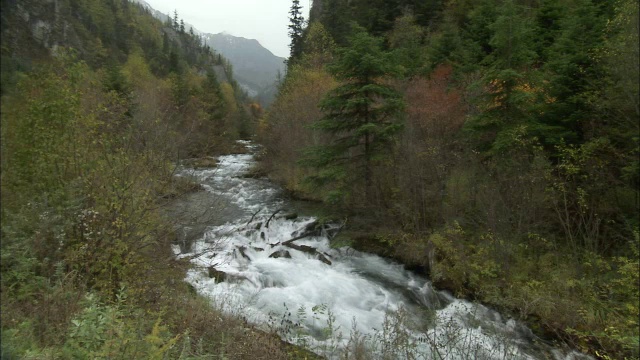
x,y
99,102
491,144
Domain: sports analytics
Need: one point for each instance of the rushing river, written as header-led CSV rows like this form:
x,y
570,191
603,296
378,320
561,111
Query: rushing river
x,y
331,300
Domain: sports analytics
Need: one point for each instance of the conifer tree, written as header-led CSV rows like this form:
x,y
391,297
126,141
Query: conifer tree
x,y
363,115
506,114
175,19
295,30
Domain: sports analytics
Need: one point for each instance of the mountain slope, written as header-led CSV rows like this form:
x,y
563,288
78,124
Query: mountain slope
x,y
254,66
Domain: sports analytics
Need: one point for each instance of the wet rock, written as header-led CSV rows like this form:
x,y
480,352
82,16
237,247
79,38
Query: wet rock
x,y
241,250
258,226
291,216
216,274
312,229
280,254
257,248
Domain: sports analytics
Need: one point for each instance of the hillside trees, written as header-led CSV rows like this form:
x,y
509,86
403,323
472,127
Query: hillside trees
x,y
363,114
515,177
284,131
91,132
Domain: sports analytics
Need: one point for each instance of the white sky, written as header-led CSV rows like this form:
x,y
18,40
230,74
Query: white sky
x,y
263,20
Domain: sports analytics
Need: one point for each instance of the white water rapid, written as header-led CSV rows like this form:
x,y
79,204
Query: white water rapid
x,y
332,300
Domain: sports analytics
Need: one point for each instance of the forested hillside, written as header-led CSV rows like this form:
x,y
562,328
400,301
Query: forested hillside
x,y
493,144
100,101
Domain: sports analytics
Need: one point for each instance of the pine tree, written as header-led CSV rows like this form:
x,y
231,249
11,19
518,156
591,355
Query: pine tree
x,y
506,115
572,72
295,31
362,114
175,20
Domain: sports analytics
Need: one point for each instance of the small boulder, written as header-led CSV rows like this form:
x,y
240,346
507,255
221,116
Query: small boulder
x,y
216,274
280,254
291,216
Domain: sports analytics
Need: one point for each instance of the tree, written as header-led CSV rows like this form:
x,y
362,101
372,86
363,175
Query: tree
x,y
295,30
175,19
507,106
318,46
362,114
406,41
572,74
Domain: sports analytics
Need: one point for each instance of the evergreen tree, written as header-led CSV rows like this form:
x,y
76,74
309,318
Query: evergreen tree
x,y
573,73
362,114
295,31
175,20
335,17
506,115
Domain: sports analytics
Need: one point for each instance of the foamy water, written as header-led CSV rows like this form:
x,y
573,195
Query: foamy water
x,y
323,306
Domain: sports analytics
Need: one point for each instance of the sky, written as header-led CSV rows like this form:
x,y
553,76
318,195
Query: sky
x,y
263,20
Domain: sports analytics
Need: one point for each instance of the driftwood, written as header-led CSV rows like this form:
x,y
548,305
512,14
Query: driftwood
x,y
253,216
324,259
309,250
241,250
303,248
271,217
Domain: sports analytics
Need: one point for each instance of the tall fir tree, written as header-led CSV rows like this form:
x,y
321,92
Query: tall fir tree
x,y
363,115
573,73
506,115
296,29
175,20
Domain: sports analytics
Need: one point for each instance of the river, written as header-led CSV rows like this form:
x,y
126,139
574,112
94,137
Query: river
x,y
333,301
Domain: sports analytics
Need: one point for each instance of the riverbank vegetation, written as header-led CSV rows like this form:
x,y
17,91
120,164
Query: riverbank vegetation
x,y
99,102
514,177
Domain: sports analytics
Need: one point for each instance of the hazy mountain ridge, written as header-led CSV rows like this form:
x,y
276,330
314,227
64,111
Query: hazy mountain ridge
x,y
255,68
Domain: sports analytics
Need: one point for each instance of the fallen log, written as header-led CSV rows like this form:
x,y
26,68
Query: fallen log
x,y
309,250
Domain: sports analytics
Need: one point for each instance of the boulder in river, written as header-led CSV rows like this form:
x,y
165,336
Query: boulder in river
x,y
314,228
280,254
216,274
291,216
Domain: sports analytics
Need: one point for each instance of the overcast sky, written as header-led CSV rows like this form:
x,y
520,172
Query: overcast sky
x,y
263,20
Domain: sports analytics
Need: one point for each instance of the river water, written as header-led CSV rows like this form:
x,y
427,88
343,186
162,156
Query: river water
x,y
334,301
